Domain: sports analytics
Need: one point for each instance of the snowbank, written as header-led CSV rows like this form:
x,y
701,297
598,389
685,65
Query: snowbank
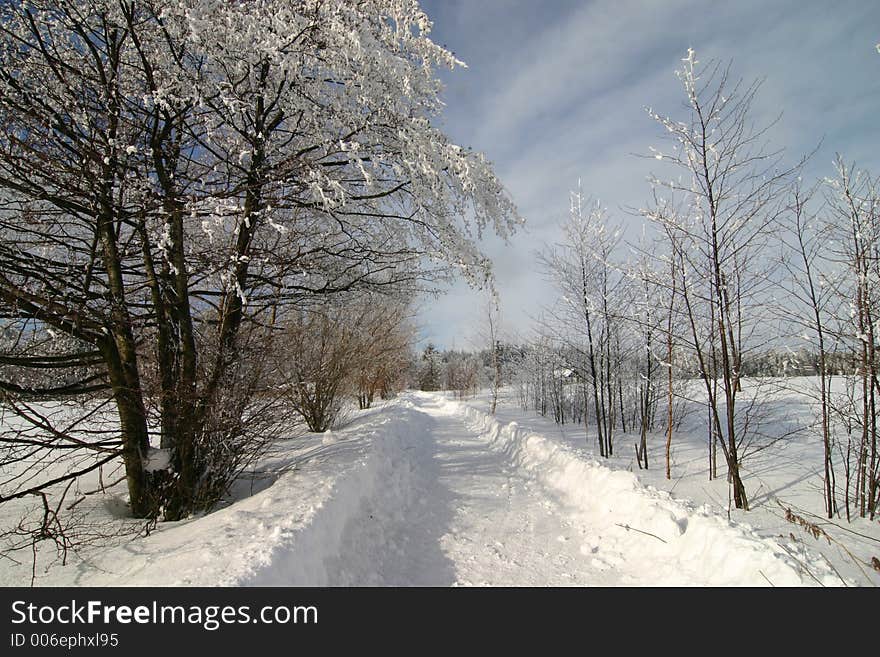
x,y
675,543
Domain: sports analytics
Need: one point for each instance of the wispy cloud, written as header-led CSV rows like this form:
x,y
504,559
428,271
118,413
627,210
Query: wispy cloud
x,y
556,91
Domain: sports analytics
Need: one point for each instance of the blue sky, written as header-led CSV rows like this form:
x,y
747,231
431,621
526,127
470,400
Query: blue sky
x,y
556,91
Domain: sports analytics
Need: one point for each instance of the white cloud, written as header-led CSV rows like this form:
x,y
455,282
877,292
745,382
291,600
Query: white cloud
x,y
555,91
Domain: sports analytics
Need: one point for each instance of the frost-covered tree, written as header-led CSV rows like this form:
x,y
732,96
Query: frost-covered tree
x,y
175,176
851,249
490,340
587,320
813,314
730,192
644,335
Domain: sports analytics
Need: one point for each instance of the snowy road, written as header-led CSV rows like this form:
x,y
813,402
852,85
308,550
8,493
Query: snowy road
x,y
473,518
426,491
460,499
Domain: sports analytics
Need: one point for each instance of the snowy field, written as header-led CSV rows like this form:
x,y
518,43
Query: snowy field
x,y
430,491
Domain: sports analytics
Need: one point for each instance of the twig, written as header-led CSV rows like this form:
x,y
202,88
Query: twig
x,y
825,521
837,572
803,565
641,531
817,532
676,483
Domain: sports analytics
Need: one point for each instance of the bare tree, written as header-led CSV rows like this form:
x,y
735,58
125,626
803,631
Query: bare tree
x,y
731,187
386,337
587,321
331,352
853,206
492,340
805,238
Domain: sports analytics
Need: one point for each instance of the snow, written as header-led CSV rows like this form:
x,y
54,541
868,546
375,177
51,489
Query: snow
x,y
641,534
430,491
782,471
157,459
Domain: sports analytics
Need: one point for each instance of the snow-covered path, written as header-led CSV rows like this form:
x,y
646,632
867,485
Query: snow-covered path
x,y
426,491
457,498
473,518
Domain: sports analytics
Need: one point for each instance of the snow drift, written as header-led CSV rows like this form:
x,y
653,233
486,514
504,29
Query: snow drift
x,y
665,541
